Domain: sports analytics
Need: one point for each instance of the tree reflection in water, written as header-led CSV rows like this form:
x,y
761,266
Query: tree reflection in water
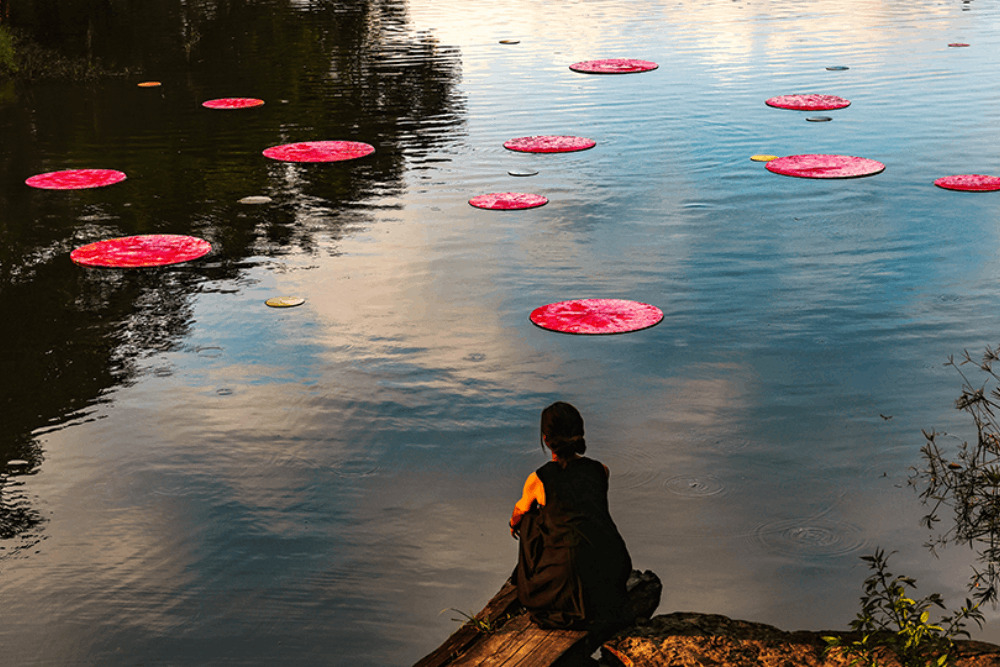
x,y
17,517
328,70
965,481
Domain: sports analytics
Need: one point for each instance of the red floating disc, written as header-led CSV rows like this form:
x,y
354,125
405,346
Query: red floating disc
x,y
824,166
808,102
613,66
549,144
969,183
76,179
596,316
508,201
958,44
139,251
233,103
319,151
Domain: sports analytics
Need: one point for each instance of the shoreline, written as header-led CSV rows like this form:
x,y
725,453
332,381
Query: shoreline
x,y
682,639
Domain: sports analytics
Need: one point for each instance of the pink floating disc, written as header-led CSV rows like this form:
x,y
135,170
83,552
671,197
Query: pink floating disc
x,y
76,179
319,151
808,102
139,251
824,166
549,144
233,103
958,44
508,201
613,66
596,316
969,183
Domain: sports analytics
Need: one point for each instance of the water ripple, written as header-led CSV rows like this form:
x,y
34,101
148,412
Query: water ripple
x,y
809,537
356,468
632,469
693,486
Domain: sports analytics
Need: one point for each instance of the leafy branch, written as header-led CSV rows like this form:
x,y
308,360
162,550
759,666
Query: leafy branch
x,y
892,621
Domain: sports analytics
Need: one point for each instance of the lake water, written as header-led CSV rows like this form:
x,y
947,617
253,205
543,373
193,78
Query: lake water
x,y
215,481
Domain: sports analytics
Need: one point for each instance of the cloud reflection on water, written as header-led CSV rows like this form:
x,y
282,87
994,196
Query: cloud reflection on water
x,y
358,477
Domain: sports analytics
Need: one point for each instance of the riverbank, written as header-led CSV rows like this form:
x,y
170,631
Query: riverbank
x,y
689,639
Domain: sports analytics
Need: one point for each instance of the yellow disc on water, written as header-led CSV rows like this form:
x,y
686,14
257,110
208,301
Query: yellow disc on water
x,y
763,158
148,84
285,301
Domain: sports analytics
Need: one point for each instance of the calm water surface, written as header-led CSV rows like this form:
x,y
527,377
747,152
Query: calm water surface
x,y
214,481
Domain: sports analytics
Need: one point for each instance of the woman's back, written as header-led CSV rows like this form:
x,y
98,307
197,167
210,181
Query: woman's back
x,y
576,500
573,563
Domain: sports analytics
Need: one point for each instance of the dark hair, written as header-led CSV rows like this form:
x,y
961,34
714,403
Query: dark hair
x,y
562,429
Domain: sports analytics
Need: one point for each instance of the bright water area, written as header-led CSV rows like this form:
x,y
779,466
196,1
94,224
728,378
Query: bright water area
x,y
217,482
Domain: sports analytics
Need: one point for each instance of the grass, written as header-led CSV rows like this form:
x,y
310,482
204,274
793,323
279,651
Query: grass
x,y
483,625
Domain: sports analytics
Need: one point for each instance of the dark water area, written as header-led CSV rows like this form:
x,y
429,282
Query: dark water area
x,y
211,481
198,163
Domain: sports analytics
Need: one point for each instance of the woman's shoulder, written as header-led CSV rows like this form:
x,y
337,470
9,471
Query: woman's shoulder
x,y
592,468
547,468
579,463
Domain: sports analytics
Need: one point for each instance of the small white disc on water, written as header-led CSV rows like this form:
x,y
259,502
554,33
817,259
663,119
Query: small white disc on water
x,y
256,199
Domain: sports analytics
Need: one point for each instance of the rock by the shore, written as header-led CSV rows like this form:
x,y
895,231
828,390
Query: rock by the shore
x,y
688,639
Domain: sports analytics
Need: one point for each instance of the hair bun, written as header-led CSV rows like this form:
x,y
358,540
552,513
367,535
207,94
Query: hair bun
x,y
562,430
564,447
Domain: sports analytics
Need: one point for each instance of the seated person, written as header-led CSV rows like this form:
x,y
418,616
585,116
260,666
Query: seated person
x,y
572,563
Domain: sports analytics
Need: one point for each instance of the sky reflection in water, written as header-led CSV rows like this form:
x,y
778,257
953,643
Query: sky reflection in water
x,y
314,485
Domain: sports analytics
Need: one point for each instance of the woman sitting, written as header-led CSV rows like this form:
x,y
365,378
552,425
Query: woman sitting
x,y
572,563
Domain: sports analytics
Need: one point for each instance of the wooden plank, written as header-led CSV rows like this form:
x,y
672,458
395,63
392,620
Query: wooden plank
x,y
517,642
503,603
520,644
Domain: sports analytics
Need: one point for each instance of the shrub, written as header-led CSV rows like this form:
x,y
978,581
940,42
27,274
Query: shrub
x,y
890,620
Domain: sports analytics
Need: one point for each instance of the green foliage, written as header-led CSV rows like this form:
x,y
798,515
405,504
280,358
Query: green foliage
x,y
483,625
968,484
891,621
8,61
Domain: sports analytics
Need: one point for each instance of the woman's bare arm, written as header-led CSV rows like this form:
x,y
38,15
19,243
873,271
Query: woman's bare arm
x,y
534,492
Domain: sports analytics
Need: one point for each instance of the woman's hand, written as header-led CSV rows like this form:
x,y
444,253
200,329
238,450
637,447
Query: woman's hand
x,y
515,523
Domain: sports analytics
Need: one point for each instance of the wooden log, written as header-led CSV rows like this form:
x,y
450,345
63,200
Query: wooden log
x,y
503,635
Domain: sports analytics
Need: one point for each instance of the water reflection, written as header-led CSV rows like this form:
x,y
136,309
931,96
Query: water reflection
x,y
20,523
327,70
286,486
